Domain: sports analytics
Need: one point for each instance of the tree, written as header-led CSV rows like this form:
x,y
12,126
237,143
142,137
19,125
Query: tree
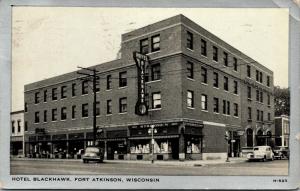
x,y
281,101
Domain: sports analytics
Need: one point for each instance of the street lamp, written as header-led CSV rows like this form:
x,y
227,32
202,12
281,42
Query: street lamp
x,y
152,131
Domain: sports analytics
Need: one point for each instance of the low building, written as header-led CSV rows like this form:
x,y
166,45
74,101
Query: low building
x,y
192,86
282,130
17,134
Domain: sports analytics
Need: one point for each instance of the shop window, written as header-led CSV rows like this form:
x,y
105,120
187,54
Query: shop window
x,y
155,72
144,46
85,110
190,99
225,58
193,145
123,105
248,71
155,43
203,75
54,93
216,80
235,65
216,105
140,147
203,48
37,97
156,100
122,79
63,114
215,53
45,116
54,114
73,89
63,92
37,117
225,83
85,87
108,107
236,110
162,146
45,95
97,108
190,70
204,102
235,87
189,40
108,82
73,111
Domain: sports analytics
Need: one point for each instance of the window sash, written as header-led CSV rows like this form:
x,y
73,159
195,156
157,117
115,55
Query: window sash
x,y
144,46
190,99
156,100
123,105
204,75
216,105
225,83
204,102
54,114
215,53
216,80
85,110
122,79
108,107
189,40
190,70
73,111
203,48
155,43
155,71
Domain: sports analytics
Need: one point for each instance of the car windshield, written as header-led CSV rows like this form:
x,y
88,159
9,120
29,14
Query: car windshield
x,y
92,150
256,149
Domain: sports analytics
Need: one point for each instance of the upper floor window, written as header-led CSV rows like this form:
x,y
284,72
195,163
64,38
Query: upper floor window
x,y
13,127
204,102
63,92
190,70
37,117
155,43
261,97
203,75
225,83
45,95
262,115
155,71
257,75
85,110
236,110
249,94
228,108
26,126
63,114
123,105
190,99
269,99
203,48
216,105
257,115
249,113
97,85
215,53
108,107
97,108
225,58
257,95
85,87
189,40
122,79
235,65
249,71
73,89
268,81
54,114
73,111
269,116
37,97
25,107
156,100
54,93
260,77
144,46
108,82
45,116
216,80
235,87
19,126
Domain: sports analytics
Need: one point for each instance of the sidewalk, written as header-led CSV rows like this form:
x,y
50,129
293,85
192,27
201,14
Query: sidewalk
x,y
157,162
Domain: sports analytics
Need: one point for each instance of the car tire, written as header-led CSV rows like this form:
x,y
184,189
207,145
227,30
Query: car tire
x,y
265,159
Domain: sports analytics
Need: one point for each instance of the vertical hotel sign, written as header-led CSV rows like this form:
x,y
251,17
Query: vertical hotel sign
x,y
141,61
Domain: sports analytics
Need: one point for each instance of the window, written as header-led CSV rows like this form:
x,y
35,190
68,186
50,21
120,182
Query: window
x,y
257,115
63,113
225,83
203,48
144,46
257,95
123,105
97,108
249,71
156,100
236,110
122,79
85,87
204,102
262,115
249,113
37,97
225,58
215,53
45,116
190,99
261,97
190,70
108,107
189,40
155,43
54,114
63,92
25,107
235,65
216,80
73,111
216,105
260,77
73,89
54,93
19,126
108,82
155,72
249,94
228,108
97,85
257,75
13,127
224,106
37,117
85,110
45,95
235,87
203,75
26,126
269,116
268,81
269,100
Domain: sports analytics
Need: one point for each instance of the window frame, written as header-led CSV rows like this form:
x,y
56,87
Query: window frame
x,y
63,92
84,87
45,116
216,80
98,108
155,49
84,110
108,82
216,105
36,97
37,117
190,40
144,47
73,89
215,54
123,106
45,96
203,47
204,106
155,71
225,58
154,104
73,112
190,99
190,69
63,113
226,84
122,79
203,75
54,94
235,64
54,114
248,71
235,109
109,107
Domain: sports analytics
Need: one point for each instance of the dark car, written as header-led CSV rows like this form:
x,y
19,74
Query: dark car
x,y
281,153
93,154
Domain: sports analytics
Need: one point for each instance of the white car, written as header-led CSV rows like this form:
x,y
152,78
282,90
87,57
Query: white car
x,y
261,153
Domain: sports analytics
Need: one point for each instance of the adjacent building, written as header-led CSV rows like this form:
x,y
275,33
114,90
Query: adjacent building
x,y
194,88
282,130
17,134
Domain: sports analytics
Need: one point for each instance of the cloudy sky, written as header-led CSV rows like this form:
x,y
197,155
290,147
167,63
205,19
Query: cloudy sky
x,y
49,41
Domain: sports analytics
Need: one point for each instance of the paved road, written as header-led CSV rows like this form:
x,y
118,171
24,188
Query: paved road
x,y
48,167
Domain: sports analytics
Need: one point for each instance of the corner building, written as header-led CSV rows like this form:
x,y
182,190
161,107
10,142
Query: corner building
x,y
197,88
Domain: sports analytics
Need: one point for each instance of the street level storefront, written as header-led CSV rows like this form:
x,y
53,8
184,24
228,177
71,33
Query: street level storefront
x,y
16,148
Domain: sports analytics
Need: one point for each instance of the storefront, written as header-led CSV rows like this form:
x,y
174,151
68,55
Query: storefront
x,y
16,147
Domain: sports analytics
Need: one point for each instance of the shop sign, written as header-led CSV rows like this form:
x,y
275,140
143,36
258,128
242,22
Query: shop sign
x,y
155,125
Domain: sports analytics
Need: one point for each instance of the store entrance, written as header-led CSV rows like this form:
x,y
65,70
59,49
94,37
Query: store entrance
x,y
175,148
116,149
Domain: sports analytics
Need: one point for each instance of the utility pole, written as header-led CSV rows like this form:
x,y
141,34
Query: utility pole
x,y
94,78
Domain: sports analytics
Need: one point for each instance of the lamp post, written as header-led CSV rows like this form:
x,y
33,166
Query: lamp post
x,y
152,131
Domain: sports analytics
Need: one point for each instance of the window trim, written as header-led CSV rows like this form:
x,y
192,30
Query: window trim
x,y
190,98
154,43
153,100
190,40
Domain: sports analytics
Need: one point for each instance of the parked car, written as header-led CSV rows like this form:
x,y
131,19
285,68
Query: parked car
x,y
281,152
93,154
261,153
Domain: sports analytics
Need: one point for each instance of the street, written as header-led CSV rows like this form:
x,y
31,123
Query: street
x,y
54,167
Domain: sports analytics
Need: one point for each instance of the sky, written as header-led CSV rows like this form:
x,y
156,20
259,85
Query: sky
x,y
50,41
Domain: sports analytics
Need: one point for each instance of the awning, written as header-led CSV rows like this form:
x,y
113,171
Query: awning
x,y
155,137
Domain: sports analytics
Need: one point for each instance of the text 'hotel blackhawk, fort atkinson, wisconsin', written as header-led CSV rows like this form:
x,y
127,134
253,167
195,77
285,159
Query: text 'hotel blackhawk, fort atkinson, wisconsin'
x,y
192,86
